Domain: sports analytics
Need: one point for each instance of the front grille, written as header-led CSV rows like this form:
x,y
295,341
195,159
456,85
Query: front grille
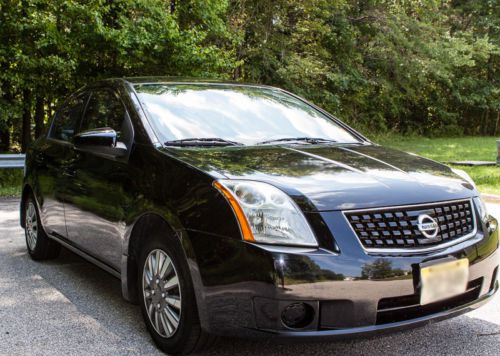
x,y
397,227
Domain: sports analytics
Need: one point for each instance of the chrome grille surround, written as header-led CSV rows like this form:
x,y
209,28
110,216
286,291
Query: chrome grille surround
x,y
395,229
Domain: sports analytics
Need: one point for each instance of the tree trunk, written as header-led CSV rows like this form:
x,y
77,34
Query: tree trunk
x,y
26,129
486,122
496,123
5,131
39,116
5,139
49,108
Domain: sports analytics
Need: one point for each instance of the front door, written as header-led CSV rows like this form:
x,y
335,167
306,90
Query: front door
x,y
100,196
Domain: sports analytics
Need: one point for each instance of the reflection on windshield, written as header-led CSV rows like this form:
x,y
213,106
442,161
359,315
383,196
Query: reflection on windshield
x,y
244,114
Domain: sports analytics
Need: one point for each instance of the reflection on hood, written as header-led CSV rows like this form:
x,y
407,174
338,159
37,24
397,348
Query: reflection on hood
x,y
332,177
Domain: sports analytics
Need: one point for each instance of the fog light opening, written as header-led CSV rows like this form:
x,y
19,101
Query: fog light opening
x,y
297,315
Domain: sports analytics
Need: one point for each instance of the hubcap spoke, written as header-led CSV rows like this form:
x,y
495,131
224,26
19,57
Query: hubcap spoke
x,y
173,301
157,319
166,267
172,317
159,258
171,283
166,326
150,309
31,226
162,293
147,277
150,266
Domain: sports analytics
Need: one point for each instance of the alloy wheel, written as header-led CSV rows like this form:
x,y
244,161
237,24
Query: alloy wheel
x,y
162,294
31,226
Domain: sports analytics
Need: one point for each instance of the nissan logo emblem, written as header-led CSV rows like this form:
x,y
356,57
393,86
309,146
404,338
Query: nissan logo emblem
x,y
428,226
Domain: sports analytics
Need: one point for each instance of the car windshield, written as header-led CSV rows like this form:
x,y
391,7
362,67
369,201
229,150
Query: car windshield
x,y
235,113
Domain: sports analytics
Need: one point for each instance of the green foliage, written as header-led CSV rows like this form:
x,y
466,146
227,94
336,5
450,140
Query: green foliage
x,y
10,182
382,65
381,268
447,150
50,48
486,178
420,67
444,149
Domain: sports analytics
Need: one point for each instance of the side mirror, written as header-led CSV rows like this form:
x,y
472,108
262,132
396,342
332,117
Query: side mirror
x,y
101,140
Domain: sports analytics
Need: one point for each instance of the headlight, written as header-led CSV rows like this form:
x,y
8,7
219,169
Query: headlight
x,y
481,207
464,175
266,214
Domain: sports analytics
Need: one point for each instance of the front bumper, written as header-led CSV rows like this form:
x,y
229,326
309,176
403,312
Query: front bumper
x,y
242,288
366,331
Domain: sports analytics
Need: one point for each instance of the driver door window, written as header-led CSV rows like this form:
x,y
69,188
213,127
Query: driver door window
x,y
66,119
105,109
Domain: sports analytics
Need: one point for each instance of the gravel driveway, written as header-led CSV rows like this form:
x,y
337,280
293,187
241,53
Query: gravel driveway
x,y
68,306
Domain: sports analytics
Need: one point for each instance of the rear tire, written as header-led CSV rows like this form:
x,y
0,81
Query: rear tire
x,y
167,298
40,246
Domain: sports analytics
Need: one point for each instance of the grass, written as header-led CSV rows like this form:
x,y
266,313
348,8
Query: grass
x,y
10,182
439,149
445,149
487,178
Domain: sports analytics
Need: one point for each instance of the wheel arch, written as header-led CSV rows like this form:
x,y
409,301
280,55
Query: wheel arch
x,y
150,224
27,191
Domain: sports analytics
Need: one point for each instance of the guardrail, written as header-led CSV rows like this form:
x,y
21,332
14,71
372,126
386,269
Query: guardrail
x,y
498,153
12,161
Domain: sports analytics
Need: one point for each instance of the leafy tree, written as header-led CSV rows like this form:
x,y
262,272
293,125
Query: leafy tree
x,y
53,47
425,67
379,269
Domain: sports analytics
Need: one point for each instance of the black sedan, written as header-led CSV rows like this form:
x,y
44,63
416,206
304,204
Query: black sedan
x,y
231,209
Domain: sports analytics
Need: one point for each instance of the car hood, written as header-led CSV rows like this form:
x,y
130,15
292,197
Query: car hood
x,y
334,177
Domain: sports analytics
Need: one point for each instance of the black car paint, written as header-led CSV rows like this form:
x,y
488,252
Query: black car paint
x,y
335,177
108,204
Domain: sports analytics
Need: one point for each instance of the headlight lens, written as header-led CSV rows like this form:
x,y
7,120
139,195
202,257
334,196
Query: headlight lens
x,y
464,175
481,207
271,215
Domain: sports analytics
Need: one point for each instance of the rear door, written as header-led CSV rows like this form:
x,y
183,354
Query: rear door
x,y
52,160
100,193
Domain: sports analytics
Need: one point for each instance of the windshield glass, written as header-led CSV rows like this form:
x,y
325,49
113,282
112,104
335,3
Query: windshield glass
x,y
243,114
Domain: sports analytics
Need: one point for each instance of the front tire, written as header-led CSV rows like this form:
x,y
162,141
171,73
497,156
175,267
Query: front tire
x,y
40,246
167,298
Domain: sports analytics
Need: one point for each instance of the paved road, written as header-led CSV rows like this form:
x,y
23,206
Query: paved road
x,y
68,306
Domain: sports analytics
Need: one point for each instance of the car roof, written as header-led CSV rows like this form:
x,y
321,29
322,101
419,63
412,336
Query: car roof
x,y
133,81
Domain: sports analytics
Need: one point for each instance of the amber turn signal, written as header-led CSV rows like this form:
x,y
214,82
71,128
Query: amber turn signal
x,y
240,215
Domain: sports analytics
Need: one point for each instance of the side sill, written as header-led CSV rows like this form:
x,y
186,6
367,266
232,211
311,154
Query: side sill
x,y
86,256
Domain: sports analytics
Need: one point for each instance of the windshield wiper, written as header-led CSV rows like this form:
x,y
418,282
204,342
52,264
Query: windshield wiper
x,y
202,142
310,140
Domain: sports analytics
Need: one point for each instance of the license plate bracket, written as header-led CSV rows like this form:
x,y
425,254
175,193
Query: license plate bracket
x,y
443,280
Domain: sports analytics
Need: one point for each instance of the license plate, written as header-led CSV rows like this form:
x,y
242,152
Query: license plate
x,y
443,280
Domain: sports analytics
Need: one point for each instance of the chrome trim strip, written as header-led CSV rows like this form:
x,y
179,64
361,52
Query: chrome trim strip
x,y
408,206
410,250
